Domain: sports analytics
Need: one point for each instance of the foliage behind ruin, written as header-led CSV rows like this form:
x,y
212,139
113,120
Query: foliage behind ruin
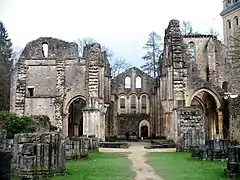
x,y
13,124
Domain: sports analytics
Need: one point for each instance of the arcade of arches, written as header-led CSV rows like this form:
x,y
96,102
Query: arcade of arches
x,y
215,111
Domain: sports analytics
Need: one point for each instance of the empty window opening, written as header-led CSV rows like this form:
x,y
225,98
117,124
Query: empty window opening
x,y
30,92
127,82
225,86
133,102
122,102
144,103
138,82
191,51
236,20
229,24
45,50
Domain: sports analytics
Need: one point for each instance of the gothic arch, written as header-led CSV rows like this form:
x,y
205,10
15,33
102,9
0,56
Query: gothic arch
x,y
66,112
144,123
212,109
66,109
215,96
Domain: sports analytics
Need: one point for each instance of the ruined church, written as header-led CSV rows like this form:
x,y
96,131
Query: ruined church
x,y
188,101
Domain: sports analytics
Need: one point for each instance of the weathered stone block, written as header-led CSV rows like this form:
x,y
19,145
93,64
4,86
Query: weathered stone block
x,y
39,155
27,163
28,149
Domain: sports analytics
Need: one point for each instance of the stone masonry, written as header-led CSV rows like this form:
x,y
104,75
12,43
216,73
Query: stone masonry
x,y
190,128
192,73
38,155
47,81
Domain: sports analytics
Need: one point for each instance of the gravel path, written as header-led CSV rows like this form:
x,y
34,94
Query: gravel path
x,y
137,155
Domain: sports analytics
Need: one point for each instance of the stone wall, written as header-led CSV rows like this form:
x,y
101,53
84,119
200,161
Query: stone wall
x,y
41,155
80,147
43,122
62,77
127,119
181,76
129,123
234,119
38,155
190,128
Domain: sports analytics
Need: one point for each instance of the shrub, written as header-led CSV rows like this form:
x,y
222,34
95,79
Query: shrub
x,y
13,124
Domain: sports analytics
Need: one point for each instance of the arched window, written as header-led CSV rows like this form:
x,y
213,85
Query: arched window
x,y
191,50
144,104
45,50
122,101
225,87
236,20
229,24
127,82
138,82
133,104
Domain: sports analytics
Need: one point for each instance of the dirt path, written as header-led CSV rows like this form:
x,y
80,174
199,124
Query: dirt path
x,y
142,169
137,155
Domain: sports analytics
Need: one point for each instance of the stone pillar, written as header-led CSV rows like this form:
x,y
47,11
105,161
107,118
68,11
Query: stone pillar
x,y
220,123
60,87
65,124
85,122
21,88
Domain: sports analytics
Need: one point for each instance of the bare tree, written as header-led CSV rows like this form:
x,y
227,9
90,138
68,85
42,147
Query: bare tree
x,y
86,41
213,32
154,50
118,65
186,28
15,56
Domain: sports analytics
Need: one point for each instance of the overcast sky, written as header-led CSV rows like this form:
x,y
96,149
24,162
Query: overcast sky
x,y
121,25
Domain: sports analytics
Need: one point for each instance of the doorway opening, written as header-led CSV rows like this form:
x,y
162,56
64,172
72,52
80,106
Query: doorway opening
x,y
75,118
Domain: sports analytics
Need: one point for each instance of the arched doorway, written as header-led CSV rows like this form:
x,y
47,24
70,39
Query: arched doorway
x,y
75,118
144,129
212,112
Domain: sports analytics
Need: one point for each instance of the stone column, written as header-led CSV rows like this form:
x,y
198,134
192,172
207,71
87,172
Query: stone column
x,y
220,123
85,122
65,124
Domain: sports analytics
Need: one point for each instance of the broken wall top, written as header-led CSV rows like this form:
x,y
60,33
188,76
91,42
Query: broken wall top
x,y
57,49
95,56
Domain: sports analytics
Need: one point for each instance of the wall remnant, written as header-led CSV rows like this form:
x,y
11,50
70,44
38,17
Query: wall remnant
x,y
38,155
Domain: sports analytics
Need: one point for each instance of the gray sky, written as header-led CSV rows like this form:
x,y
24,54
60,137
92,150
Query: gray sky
x,y
121,25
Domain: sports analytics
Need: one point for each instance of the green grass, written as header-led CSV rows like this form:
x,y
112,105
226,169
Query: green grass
x,y
179,166
100,166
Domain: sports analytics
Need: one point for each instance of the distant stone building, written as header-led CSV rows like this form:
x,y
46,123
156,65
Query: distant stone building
x,y
132,107
73,92
231,32
230,15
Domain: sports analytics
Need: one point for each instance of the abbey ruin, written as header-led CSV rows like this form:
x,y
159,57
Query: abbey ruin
x,y
192,98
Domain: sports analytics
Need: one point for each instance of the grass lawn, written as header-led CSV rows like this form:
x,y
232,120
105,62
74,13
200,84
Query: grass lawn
x,y
100,166
179,166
